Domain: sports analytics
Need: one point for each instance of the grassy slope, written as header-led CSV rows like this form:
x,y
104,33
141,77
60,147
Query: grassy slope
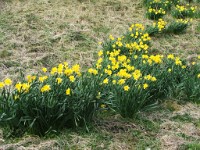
x,y
35,33
38,33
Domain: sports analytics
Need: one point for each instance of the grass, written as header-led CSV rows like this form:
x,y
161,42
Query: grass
x,y
41,33
34,31
148,130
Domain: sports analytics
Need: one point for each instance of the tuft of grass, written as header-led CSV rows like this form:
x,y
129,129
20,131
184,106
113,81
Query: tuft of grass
x,y
5,53
183,118
191,146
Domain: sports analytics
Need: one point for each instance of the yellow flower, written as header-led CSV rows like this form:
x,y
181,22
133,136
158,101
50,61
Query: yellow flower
x,y
30,78
198,76
103,106
170,56
60,70
76,69
100,53
109,72
169,70
68,72
183,67
25,87
135,56
72,78
137,74
68,91
178,61
18,86
105,81
33,78
58,80
153,79
44,70
126,88
156,58
7,82
111,37
54,70
114,81
145,86
193,63
199,57
45,88
2,85
65,64
99,95
43,78
93,71
121,81
16,97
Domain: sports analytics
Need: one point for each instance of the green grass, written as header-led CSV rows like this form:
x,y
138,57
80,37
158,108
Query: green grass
x,y
190,146
183,118
40,33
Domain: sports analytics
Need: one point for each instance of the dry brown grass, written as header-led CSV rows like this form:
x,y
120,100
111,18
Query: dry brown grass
x,y
45,32
38,33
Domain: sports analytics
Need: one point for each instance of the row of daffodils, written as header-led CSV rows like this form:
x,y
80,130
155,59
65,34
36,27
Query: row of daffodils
x,y
126,79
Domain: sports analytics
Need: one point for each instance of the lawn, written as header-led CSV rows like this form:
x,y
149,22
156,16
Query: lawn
x,y
43,33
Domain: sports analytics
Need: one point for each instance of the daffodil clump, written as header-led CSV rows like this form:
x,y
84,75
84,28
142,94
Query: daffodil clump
x,y
134,77
165,4
135,40
160,24
177,26
50,100
155,13
127,77
157,27
156,9
182,11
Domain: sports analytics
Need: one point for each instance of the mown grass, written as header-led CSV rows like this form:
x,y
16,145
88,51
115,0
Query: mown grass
x,y
42,33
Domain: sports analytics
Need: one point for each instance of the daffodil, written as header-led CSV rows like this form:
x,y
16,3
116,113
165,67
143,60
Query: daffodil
x,y
105,81
145,86
44,70
58,80
68,91
7,81
126,88
2,85
45,88
72,78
